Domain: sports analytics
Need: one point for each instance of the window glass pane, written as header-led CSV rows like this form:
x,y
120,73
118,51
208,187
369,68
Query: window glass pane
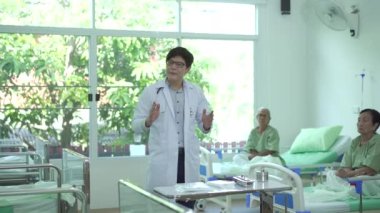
x,y
224,18
156,15
44,87
126,65
230,75
66,13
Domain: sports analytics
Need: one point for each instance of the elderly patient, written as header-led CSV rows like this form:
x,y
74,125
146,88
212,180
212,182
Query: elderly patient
x,y
264,139
363,157
262,146
263,143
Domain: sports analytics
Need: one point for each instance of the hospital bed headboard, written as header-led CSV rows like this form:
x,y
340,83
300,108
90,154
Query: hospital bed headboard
x,y
21,175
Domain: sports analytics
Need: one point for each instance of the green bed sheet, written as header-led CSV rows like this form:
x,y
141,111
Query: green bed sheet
x,y
368,204
308,158
5,207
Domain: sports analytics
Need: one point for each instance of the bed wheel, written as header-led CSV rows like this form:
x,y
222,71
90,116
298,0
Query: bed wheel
x,y
200,204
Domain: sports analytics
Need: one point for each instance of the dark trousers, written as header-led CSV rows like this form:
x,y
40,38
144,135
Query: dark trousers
x,y
181,176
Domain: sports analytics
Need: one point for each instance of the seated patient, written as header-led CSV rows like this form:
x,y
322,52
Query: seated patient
x,y
363,157
262,146
264,139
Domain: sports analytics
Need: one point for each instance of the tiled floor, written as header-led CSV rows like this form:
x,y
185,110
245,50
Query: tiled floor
x,y
116,210
238,206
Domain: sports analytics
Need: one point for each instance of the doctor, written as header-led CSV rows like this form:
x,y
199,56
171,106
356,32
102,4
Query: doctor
x,y
170,109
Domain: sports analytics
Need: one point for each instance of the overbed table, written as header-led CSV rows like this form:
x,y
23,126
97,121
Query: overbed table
x,y
266,189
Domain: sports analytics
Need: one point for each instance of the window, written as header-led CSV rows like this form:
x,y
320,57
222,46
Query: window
x,y
76,85
218,18
66,13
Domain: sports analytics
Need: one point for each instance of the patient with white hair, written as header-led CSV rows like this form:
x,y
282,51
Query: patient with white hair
x,y
262,146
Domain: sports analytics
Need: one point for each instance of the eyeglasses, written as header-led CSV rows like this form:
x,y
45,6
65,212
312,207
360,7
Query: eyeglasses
x,y
176,63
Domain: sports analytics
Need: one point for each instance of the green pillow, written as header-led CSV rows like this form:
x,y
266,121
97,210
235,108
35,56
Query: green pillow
x,y
315,139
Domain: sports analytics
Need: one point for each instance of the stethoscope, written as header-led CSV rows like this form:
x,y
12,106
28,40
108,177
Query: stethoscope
x,y
159,89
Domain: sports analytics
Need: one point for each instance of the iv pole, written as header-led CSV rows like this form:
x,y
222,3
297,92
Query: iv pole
x,y
362,75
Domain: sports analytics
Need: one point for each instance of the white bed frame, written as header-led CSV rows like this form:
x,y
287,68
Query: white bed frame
x,y
39,155
83,184
78,194
299,204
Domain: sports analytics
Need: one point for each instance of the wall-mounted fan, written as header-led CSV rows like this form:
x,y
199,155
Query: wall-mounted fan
x,y
335,17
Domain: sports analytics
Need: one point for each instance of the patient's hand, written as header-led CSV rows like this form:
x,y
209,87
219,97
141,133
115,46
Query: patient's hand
x,y
251,156
344,173
347,172
252,153
365,171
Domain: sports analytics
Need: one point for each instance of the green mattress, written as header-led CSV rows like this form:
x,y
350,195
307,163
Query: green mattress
x,y
308,158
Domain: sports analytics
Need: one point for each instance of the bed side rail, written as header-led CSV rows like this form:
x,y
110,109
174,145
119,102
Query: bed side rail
x,y
358,183
40,166
12,144
205,168
25,175
78,194
38,158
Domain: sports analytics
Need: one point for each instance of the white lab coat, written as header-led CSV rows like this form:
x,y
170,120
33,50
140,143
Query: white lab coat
x,y
163,138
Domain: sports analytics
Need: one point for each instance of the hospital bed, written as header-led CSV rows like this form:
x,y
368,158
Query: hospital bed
x,y
135,199
74,174
306,164
22,175
14,151
17,145
10,203
306,160
211,169
46,202
294,199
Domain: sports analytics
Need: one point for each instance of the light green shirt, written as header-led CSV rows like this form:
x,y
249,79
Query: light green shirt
x,y
268,140
363,155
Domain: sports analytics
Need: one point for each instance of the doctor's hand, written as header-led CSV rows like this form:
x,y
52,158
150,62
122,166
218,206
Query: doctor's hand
x,y
153,115
207,120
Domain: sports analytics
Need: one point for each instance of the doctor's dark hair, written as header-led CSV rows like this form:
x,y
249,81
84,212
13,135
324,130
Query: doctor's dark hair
x,y
182,52
375,116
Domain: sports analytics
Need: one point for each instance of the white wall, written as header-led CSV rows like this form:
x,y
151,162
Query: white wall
x,y
106,172
280,69
307,74
335,61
